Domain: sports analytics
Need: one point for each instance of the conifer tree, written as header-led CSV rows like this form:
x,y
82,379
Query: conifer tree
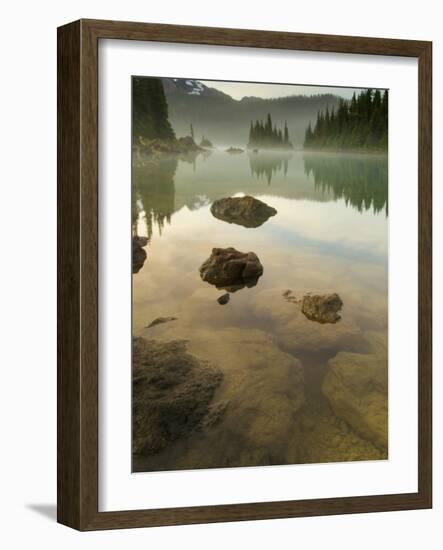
x,y
361,123
286,135
150,110
266,134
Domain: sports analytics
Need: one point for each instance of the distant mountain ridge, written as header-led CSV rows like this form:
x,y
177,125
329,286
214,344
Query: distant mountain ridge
x,y
191,87
226,121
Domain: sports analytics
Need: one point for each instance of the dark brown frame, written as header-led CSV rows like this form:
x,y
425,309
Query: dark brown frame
x,y
77,456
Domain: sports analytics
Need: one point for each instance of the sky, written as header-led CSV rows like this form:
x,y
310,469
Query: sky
x,y
238,90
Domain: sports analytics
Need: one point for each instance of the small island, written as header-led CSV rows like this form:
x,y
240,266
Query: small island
x,y
206,143
266,135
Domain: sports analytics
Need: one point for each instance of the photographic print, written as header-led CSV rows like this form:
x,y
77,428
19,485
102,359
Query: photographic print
x,y
259,274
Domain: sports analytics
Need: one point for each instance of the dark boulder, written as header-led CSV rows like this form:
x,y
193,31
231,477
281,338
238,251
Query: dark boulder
x,y
138,253
231,270
246,211
223,299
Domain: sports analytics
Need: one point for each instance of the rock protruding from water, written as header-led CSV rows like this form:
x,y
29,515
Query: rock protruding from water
x,y
246,211
322,308
223,299
231,270
234,150
356,386
138,253
172,394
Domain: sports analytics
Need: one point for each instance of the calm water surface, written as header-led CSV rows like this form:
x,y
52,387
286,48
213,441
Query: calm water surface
x,y
330,234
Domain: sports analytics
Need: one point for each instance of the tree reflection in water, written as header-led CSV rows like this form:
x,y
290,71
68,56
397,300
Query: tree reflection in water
x,y
361,180
153,192
265,165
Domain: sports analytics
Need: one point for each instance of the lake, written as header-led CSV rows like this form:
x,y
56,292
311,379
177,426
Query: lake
x,y
330,234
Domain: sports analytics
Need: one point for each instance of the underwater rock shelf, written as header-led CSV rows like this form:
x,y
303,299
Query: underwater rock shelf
x,y
160,321
172,394
356,386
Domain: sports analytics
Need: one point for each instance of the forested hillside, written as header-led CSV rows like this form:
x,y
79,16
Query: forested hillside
x,y
358,124
150,110
227,121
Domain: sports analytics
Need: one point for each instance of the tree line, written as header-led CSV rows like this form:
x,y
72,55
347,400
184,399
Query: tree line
x,y
361,123
266,134
150,110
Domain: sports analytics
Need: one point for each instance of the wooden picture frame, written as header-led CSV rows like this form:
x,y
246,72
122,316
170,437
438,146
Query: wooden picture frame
x,y
78,274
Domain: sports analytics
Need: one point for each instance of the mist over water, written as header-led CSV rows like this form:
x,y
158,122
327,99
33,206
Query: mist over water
x,y
330,234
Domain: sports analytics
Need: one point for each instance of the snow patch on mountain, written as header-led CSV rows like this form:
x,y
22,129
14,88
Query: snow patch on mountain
x,y
196,87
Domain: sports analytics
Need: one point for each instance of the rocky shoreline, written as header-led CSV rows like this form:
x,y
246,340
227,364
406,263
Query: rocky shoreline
x,y
157,147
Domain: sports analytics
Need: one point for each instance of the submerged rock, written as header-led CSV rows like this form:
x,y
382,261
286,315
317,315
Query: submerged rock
x,y
295,334
161,320
322,308
246,211
255,416
356,386
265,387
223,299
231,270
138,253
172,394
215,413
289,296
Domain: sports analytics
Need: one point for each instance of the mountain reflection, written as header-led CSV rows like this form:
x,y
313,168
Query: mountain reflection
x,y
362,181
266,165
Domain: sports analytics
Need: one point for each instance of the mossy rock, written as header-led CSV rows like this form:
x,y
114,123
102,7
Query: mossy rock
x,y
172,393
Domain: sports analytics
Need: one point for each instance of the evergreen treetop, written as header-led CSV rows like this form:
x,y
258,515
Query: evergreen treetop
x,y
267,135
150,110
358,124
